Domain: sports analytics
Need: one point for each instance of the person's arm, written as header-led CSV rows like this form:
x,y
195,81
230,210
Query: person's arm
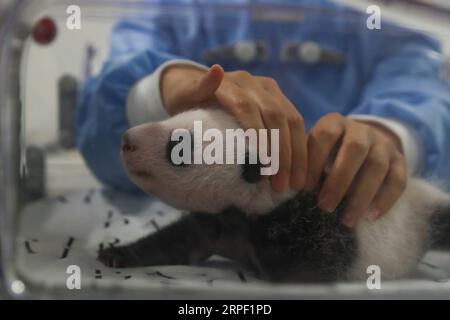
x,y
407,91
403,114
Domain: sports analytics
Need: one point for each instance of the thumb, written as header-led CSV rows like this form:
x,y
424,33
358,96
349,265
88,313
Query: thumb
x,y
208,84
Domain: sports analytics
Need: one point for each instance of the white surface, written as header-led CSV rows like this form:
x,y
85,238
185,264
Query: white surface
x,y
93,216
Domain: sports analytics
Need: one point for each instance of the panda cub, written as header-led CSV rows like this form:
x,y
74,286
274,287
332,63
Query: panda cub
x,y
282,236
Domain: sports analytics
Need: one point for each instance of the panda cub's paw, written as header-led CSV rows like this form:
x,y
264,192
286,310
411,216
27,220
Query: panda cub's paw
x,y
116,257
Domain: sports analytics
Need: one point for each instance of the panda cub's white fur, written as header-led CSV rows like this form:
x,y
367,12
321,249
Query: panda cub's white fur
x,y
208,188
395,243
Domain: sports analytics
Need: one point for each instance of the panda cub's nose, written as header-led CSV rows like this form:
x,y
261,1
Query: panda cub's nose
x,y
127,143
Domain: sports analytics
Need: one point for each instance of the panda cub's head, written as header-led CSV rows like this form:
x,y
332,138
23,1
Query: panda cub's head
x,y
147,154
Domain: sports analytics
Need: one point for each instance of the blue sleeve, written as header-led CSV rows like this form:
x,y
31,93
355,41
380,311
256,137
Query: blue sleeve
x,y
138,47
405,85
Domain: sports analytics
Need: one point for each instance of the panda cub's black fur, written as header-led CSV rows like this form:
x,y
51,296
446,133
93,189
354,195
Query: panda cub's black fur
x,y
295,242
295,236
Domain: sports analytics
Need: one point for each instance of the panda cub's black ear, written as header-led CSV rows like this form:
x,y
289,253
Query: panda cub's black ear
x,y
251,172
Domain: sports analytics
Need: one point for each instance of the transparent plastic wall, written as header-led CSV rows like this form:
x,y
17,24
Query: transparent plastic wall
x,y
52,207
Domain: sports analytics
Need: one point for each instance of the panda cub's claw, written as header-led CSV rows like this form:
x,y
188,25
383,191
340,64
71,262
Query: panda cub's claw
x,y
113,257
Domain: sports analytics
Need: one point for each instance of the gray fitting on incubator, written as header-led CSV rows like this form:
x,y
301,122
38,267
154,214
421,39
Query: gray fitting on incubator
x,y
310,53
243,52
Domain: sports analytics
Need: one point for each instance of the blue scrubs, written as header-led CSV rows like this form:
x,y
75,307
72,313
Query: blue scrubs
x,y
392,72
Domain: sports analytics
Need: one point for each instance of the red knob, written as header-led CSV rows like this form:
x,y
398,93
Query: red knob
x,y
44,30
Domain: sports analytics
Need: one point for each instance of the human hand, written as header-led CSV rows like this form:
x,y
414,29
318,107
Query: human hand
x,y
256,102
369,167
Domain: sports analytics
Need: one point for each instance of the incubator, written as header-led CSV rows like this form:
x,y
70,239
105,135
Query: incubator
x,y
55,214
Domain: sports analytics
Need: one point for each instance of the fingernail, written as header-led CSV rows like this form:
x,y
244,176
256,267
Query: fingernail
x,y
351,217
309,186
349,221
326,202
374,214
298,179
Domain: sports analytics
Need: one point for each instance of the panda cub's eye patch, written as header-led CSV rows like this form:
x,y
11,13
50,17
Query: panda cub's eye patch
x,y
171,145
251,172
